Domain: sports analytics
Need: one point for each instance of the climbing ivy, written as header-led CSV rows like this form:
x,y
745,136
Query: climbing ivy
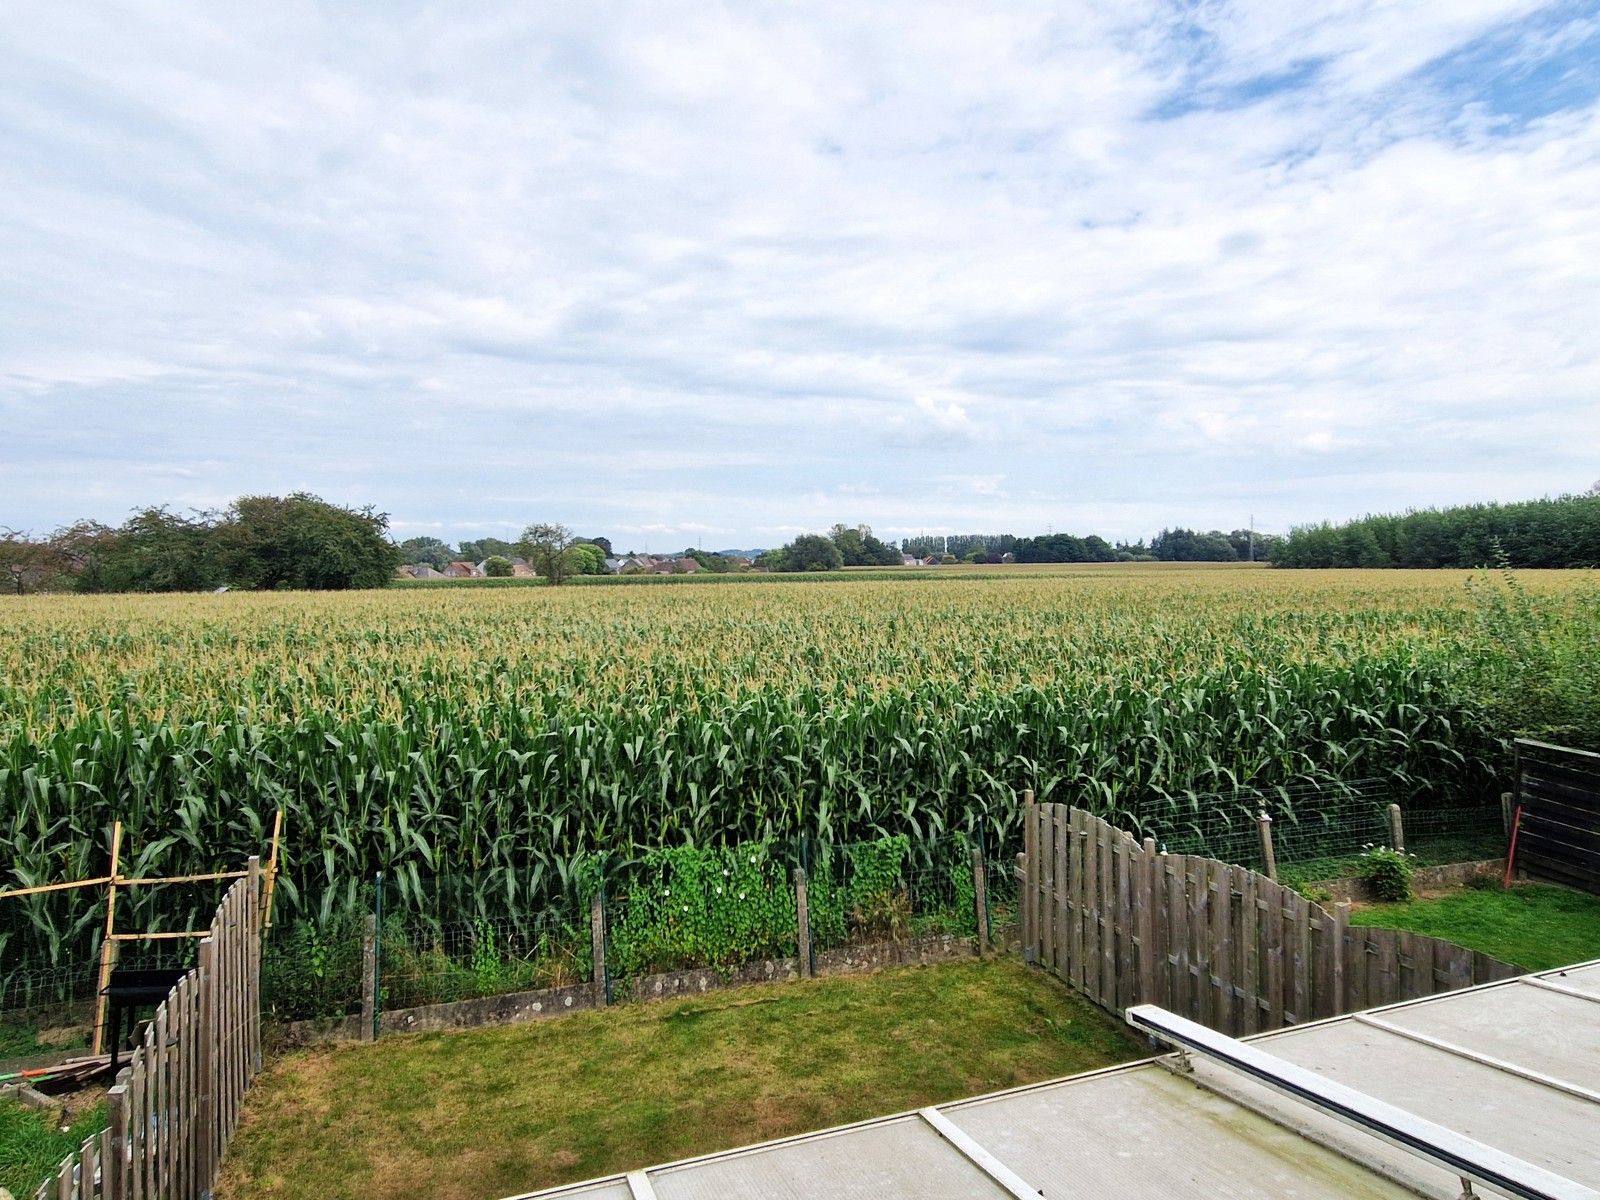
x,y
689,906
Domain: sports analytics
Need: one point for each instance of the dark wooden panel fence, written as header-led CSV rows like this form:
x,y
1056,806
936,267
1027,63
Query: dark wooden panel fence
x,y
174,1107
1220,944
1558,790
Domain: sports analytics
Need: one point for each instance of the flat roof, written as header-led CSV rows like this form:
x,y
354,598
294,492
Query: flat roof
x,y
1514,1065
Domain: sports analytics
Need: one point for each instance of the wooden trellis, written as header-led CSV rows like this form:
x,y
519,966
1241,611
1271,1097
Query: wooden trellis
x,y
113,880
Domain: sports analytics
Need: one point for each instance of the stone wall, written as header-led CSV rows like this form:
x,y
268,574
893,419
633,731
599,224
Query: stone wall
x,y
515,1007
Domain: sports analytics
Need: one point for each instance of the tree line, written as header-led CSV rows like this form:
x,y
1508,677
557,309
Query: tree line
x,y
298,541
1560,532
1170,545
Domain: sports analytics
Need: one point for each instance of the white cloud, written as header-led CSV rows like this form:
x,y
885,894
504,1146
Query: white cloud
x,y
677,269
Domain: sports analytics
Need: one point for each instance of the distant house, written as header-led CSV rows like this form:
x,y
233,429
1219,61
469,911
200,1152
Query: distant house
x,y
910,560
684,566
613,566
463,570
931,561
521,570
405,571
1008,557
636,564
426,571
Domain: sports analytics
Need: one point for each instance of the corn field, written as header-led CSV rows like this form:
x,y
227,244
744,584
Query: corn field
x,y
510,735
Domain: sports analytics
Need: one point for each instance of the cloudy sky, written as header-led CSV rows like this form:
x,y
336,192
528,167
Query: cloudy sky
x,y
721,273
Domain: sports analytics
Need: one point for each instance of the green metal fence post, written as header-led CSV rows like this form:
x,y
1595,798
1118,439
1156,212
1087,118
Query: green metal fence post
x,y
377,955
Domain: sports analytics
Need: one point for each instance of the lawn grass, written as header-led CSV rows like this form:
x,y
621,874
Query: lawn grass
x,y
1532,925
483,1113
31,1146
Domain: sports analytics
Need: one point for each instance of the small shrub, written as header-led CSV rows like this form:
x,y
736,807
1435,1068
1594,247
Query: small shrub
x,y
1387,872
1317,895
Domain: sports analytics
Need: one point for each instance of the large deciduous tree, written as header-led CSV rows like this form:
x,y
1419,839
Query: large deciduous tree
x,y
549,547
810,552
303,542
26,564
431,550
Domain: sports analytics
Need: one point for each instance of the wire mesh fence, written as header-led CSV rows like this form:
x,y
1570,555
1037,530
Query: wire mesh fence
x,y
1317,830
429,961
313,969
1309,822
50,952
689,907
888,890
1447,835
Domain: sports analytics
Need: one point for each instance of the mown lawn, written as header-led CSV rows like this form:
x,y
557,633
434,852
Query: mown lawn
x,y
31,1144
1533,925
478,1114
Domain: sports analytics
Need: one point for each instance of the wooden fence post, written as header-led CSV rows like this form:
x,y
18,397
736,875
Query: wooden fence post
x,y
802,923
597,946
980,900
1029,861
1341,930
1507,804
252,933
108,945
1269,857
369,978
114,1174
1397,828
1145,883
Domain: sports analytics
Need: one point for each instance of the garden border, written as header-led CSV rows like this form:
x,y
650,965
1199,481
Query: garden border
x,y
514,1008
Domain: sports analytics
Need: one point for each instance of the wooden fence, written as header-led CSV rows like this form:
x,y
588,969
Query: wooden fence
x,y
174,1107
1558,790
1219,944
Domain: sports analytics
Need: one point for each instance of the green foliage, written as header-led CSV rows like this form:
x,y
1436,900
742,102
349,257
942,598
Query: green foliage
x,y
859,548
1541,659
309,970
1563,532
588,559
437,554
303,543
858,892
1387,872
425,963
1535,926
1187,545
497,567
551,551
476,733
259,542
808,552
690,907
485,548
32,1147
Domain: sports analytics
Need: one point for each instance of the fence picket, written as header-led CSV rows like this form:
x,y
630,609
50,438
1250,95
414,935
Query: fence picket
x,y
1127,971
1077,920
173,1107
1108,914
1176,914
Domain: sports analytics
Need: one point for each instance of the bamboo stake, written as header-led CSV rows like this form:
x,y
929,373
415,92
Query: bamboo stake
x,y
208,877
272,872
108,943
156,937
120,881
55,887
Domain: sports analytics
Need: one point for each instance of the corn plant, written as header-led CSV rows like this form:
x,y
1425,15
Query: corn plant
x,y
511,736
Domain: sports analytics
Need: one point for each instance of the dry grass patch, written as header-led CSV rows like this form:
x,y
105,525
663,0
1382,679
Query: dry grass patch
x,y
484,1113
